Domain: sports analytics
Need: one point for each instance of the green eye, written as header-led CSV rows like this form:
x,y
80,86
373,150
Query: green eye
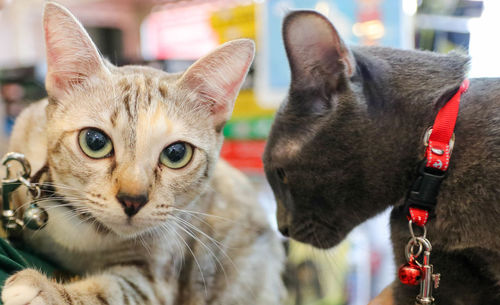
x,y
176,155
95,143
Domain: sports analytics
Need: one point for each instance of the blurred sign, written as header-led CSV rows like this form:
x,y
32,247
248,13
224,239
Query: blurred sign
x,y
179,33
252,128
250,122
244,155
358,22
235,22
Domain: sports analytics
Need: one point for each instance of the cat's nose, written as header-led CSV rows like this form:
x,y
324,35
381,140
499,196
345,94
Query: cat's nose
x,y
132,203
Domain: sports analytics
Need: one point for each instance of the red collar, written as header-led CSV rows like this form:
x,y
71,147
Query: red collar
x,y
422,197
440,141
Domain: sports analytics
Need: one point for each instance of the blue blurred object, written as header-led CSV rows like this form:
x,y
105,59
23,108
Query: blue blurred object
x,y
9,124
273,71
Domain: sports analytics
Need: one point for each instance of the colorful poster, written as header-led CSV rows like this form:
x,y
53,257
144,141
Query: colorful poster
x,y
358,22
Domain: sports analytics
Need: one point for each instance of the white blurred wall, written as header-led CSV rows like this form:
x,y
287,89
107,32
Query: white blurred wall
x,y
21,41
21,36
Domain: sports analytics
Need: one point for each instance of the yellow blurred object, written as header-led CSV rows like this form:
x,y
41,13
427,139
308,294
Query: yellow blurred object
x,y
246,106
318,275
233,23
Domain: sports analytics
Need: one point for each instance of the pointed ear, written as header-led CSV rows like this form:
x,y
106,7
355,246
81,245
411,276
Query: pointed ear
x,y
72,57
314,48
218,76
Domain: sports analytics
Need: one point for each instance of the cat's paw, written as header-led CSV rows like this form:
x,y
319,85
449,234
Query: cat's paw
x,y
30,287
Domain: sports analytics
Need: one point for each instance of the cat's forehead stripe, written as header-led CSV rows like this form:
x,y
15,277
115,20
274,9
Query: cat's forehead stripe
x,y
162,88
126,103
124,84
149,98
148,82
113,117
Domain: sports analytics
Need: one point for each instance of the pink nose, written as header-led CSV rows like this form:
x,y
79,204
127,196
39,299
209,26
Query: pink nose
x,y
132,203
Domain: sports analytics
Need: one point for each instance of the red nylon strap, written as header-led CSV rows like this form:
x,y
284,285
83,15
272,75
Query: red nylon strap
x,y
438,150
418,216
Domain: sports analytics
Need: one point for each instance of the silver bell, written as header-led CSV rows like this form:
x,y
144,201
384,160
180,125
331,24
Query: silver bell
x,y
35,217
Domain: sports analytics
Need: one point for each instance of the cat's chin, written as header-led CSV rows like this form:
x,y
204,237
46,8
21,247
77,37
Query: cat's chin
x,y
128,230
317,236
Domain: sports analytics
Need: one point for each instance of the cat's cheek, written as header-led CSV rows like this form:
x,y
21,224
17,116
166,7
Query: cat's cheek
x,y
183,200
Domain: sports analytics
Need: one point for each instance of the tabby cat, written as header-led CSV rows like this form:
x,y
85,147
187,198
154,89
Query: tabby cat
x,y
139,205
346,143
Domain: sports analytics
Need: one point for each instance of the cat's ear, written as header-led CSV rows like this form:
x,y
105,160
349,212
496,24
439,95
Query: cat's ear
x,y
217,77
315,50
72,57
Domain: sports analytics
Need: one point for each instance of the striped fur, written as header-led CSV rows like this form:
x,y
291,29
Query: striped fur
x,y
200,239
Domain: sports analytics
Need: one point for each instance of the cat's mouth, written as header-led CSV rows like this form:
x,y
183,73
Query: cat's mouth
x,y
316,233
128,228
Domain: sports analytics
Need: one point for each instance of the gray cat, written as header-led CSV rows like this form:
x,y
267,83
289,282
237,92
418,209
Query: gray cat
x,y
345,144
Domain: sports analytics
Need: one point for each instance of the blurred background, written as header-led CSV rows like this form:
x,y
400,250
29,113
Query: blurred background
x,y
170,35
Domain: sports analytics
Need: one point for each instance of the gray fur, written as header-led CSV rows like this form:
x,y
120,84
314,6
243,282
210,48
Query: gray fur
x,y
359,150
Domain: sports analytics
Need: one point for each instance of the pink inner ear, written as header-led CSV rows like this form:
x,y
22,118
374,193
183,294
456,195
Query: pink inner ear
x,y
50,51
213,96
216,78
218,108
57,82
231,87
67,80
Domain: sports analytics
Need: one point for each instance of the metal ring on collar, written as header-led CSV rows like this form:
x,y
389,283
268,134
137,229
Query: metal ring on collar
x,y
424,244
410,226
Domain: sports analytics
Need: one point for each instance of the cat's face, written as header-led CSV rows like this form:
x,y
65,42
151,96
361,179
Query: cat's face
x,y
314,155
130,146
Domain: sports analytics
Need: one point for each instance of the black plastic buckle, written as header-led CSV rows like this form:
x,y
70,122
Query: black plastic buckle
x,y
425,189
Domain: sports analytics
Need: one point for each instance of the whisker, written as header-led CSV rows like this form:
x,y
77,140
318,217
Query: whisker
x,y
197,217
194,257
58,185
144,243
216,242
38,200
164,234
205,246
204,214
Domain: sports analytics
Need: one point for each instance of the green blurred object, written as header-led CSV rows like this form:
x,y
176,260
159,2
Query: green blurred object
x,y
13,260
248,129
